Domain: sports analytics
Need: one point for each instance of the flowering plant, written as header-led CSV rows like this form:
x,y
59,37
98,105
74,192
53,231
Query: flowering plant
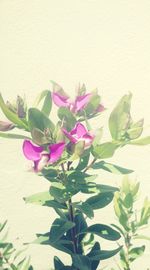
x,y
68,155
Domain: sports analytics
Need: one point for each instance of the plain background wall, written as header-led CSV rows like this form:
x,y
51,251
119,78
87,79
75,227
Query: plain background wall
x,y
105,44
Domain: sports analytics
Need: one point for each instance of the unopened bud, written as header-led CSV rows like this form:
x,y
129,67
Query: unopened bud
x,y
6,126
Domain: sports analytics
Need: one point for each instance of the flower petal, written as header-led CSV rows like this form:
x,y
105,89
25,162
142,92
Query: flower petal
x,y
79,130
81,102
88,140
31,151
41,163
69,136
56,151
59,100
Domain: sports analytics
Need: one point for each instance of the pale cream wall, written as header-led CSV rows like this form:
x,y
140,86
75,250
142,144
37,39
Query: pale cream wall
x,y
105,44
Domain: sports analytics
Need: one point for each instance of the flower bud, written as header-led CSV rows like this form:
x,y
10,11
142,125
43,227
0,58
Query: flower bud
x,y
6,126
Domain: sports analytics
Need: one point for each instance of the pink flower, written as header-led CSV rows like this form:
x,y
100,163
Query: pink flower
x,y
40,157
62,100
79,133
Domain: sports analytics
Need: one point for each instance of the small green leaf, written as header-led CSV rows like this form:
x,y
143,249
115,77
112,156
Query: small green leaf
x,y
39,198
59,227
95,248
104,231
42,239
47,103
39,120
39,137
136,252
100,200
128,201
142,141
104,254
58,263
81,262
112,168
45,199
120,118
106,188
143,237
86,209
104,150
14,136
135,130
83,162
67,117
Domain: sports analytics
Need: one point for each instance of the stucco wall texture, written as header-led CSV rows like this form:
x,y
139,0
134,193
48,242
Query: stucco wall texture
x,y
105,44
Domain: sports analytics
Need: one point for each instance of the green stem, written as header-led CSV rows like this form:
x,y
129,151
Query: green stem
x,y
90,165
71,212
73,231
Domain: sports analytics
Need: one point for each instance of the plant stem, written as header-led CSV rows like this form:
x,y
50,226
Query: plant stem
x,y
73,232
71,212
89,166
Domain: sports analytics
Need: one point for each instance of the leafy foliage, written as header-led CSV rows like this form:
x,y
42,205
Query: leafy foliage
x,y
10,258
131,221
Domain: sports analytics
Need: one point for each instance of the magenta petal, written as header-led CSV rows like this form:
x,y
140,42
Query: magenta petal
x,y
41,163
88,140
56,151
79,130
59,100
69,136
81,102
31,151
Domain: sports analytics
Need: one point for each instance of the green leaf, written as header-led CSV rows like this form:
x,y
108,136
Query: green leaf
x,y
95,248
64,245
42,239
135,130
136,252
39,120
98,136
100,200
143,237
59,227
83,162
2,226
39,198
104,150
104,231
60,193
47,104
86,209
142,141
45,199
145,213
11,115
128,201
135,189
67,117
112,168
104,254
39,137
14,136
91,107
58,263
81,262
119,119
106,188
